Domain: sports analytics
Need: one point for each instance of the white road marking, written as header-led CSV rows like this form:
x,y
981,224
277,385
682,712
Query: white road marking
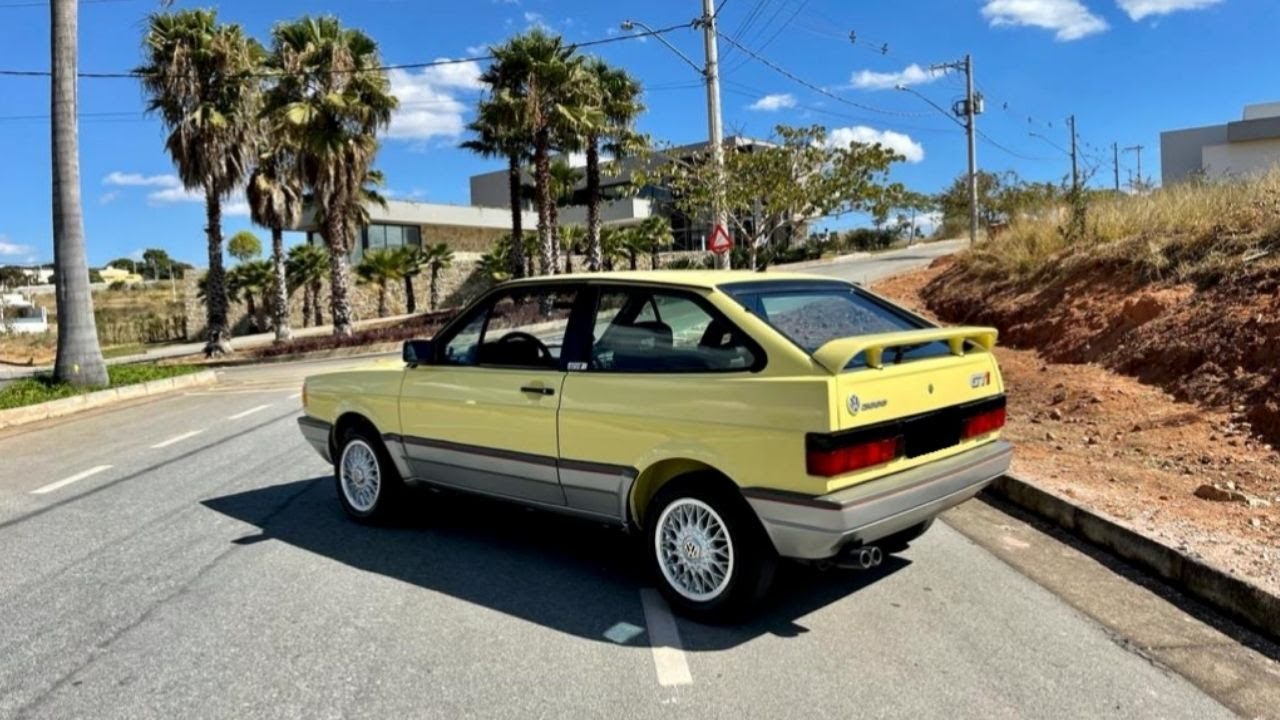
x,y
248,412
74,478
176,439
664,640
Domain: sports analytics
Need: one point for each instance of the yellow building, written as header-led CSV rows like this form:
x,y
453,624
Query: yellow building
x,y
111,274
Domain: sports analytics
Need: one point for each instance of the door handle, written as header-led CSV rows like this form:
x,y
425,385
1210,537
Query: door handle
x,y
537,390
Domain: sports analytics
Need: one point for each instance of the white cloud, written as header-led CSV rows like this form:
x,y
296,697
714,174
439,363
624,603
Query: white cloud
x,y
1139,9
910,75
7,248
108,197
532,18
775,101
1069,19
895,141
464,75
426,109
139,180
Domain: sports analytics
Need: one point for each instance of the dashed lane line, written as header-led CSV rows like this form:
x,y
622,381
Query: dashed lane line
x,y
176,439
73,479
664,640
248,412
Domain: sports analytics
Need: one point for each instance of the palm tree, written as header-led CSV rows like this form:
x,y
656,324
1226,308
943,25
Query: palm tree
x,y
79,360
250,281
436,258
500,132
275,202
202,82
540,75
571,237
564,180
654,234
616,96
612,245
412,260
328,104
306,268
381,267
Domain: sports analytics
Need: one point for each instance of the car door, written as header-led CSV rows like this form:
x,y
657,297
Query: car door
x,y
482,415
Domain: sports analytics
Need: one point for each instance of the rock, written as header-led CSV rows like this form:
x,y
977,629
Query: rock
x,y
1058,397
1255,522
1090,440
1055,414
1230,485
1049,436
1035,419
1094,400
1255,502
1218,494
1136,428
1205,460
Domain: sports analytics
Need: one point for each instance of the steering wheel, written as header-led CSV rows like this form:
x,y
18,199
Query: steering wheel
x,y
517,336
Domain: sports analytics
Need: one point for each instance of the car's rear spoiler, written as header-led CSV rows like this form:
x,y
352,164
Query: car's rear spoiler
x,y
836,355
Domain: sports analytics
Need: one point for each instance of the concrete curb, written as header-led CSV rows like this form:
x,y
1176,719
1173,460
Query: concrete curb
x,y
360,351
68,406
1238,598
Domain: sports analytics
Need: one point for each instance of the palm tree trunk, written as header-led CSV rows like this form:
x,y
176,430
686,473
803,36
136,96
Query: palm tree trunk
x,y
79,359
568,260
410,302
280,301
317,307
382,298
339,281
252,310
554,214
542,186
632,256
653,257
435,288
306,305
215,293
514,181
593,204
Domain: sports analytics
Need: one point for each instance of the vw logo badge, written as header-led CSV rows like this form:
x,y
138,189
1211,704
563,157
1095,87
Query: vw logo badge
x,y
854,404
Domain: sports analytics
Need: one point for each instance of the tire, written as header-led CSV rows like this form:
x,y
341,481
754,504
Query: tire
x,y
733,568
902,539
369,487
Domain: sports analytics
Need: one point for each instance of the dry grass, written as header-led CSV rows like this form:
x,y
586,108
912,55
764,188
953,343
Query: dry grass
x,y
1190,232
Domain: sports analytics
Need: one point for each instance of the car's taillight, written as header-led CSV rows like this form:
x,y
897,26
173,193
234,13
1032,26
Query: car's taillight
x,y
830,462
983,423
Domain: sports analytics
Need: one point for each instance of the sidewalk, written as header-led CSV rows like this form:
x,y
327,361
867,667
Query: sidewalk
x,y
244,342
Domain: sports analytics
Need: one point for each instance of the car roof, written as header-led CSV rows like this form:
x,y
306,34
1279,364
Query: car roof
x,y
685,278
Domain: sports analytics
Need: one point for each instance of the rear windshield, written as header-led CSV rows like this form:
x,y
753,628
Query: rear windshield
x,y
813,314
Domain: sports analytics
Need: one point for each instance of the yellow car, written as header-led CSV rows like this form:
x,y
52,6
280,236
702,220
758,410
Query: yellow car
x,y
733,417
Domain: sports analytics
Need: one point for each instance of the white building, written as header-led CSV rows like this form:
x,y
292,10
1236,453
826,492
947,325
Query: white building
x,y
17,315
1250,146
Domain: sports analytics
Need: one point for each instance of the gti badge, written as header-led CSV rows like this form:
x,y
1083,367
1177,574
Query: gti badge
x,y
978,380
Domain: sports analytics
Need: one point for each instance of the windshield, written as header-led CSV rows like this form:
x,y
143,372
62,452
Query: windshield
x,y
813,314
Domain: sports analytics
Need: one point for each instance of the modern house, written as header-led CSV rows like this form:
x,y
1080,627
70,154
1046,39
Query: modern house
x,y
476,227
1249,146
18,315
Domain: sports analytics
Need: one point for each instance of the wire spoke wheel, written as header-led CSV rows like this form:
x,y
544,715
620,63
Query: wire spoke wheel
x,y
360,475
694,549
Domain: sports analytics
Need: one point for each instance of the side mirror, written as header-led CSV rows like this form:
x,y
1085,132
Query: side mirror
x,y
417,352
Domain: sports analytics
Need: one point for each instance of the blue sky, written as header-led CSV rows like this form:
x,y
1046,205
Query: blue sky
x,y
1127,68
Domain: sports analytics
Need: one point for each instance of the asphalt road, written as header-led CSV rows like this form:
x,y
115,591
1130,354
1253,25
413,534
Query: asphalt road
x,y
187,557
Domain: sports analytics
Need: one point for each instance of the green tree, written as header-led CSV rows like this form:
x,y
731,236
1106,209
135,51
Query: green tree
x,y
244,246
654,235
572,242
381,267
541,78
251,281
412,261
274,193
79,356
616,97
200,78
499,132
328,104
436,258
306,268
775,189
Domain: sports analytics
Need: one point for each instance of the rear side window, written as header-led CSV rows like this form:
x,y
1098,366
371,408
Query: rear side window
x,y
657,331
812,317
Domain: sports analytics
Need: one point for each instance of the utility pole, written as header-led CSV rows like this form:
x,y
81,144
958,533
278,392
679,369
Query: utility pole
x,y
1075,172
969,108
714,121
1137,150
1115,163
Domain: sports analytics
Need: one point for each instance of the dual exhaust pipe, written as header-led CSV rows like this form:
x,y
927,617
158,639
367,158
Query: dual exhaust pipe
x,y
863,558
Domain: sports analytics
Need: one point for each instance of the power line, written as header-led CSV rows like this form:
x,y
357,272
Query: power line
x,y
820,90
133,75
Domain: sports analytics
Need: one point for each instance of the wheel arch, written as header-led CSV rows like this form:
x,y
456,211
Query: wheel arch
x,y
344,422
654,477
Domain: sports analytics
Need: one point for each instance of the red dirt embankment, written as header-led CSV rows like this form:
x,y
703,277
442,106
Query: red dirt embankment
x,y
1091,417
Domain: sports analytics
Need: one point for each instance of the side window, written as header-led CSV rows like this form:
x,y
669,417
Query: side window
x,y
523,328
657,331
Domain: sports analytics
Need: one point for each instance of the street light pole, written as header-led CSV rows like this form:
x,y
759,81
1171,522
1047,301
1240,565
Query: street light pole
x,y
714,121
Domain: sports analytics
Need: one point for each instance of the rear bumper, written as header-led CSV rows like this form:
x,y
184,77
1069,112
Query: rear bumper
x,y
815,528
317,433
